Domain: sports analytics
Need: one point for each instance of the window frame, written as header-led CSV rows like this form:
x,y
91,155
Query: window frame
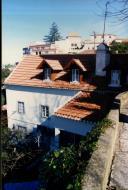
x,y
22,128
116,80
21,107
47,74
44,111
75,75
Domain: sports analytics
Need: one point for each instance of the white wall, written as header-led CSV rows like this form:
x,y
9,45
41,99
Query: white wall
x,y
108,38
89,44
65,46
33,98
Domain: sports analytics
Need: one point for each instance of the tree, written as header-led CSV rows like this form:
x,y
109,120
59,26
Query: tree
x,y
9,154
6,71
54,34
118,9
122,12
119,47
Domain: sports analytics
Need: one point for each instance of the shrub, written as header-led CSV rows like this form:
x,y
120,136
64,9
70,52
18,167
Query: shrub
x,y
63,169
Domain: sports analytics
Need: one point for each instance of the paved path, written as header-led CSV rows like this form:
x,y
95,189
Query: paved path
x,y
119,171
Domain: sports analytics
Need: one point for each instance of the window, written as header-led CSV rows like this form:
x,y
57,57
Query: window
x,y
21,107
75,75
73,44
44,111
115,77
22,129
47,73
19,128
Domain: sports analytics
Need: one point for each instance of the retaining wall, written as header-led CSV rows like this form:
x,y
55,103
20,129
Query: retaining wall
x,y
98,169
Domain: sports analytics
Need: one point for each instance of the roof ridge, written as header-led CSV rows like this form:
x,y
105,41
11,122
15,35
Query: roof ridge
x,y
68,101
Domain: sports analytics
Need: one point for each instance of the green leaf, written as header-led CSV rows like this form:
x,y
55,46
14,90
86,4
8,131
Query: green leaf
x,y
56,154
70,186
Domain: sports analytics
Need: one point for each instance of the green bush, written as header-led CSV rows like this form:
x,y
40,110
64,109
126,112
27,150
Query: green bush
x,y
64,168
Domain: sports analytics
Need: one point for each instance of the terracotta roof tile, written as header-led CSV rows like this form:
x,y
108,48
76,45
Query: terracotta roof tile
x,y
78,63
27,74
54,64
60,74
85,106
88,52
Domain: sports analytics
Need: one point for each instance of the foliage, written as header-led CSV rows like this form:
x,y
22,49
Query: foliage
x,y
64,168
6,71
2,99
122,12
58,167
20,155
4,123
118,10
119,47
54,34
9,154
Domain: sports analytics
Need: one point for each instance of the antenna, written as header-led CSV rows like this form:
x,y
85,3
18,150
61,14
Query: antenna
x,y
105,16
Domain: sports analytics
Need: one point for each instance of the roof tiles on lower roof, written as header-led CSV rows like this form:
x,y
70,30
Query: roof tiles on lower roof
x,y
89,106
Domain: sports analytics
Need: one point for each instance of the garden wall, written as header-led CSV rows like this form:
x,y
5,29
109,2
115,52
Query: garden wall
x,y
98,169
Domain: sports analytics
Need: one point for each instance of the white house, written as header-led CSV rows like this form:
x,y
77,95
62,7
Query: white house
x,y
57,92
96,39
71,44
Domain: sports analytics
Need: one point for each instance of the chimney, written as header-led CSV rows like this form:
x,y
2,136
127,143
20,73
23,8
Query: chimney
x,y
26,51
102,59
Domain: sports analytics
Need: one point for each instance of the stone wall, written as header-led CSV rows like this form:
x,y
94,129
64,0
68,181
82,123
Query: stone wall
x,y
98,170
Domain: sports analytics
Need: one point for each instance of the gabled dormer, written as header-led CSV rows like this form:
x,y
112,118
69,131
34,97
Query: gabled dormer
x,y
76,70
50,68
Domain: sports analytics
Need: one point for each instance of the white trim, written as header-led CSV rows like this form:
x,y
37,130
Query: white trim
x,y
47,74
75,75
44,111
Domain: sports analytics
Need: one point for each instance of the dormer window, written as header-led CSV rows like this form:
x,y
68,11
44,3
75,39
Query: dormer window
x,y
75,75
47,73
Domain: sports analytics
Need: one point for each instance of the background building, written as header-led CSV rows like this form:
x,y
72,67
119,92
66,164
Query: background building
x,y
72,44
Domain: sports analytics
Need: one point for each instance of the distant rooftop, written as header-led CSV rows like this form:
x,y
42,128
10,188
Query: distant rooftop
x,y
104,34
73,34
37,43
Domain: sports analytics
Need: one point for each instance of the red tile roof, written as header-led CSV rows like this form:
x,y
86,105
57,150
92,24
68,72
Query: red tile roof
x,y
54,64
60,74
78,63
27,73
88,52
85,106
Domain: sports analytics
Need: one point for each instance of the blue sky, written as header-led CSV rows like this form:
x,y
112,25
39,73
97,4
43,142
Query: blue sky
x,y
25,21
